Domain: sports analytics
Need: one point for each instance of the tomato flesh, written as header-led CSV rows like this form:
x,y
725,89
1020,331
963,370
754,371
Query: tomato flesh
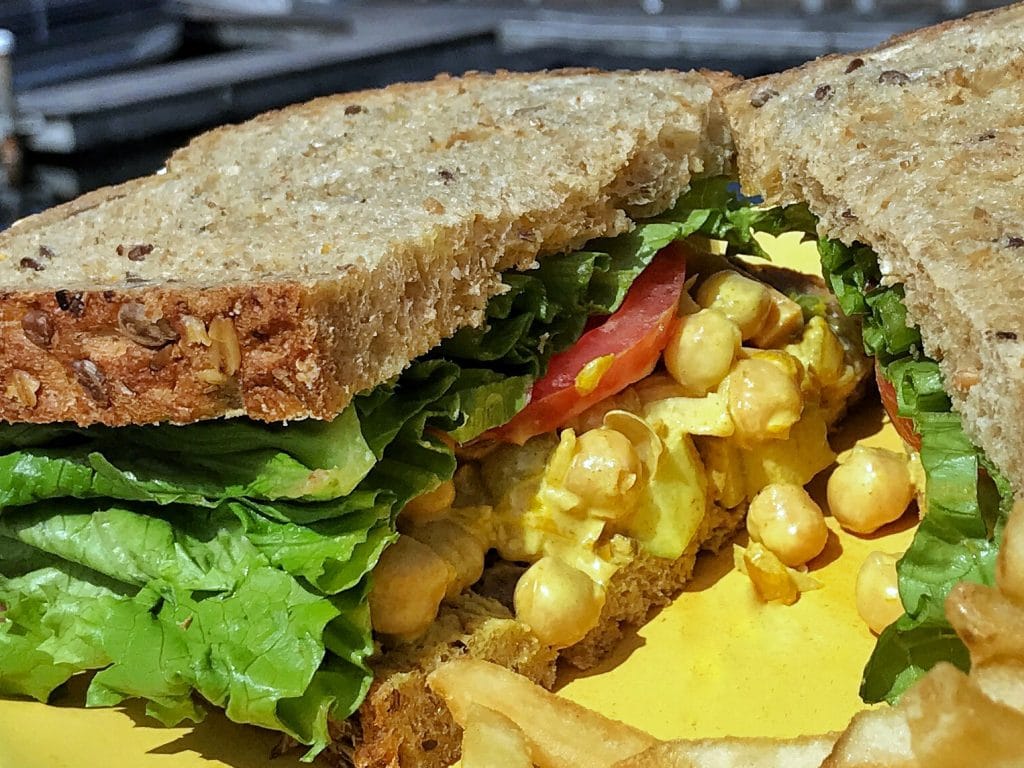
x,y
904,426
635,335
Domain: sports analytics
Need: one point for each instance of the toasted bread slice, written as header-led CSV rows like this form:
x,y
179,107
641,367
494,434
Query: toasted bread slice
x,y
280,266
915,148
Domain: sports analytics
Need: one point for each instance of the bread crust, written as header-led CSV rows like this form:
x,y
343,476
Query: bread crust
x,y
351,242
83,350
404,723
915,147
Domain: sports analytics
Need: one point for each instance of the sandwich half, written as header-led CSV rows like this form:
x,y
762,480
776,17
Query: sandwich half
x,y
290,422
910,156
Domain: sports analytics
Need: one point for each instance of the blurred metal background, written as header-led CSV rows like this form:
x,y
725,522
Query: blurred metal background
x,y
96,91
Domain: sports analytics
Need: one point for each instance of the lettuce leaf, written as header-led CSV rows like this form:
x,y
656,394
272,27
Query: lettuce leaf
x,y
196,579
959,536
716,209
193,464
907,649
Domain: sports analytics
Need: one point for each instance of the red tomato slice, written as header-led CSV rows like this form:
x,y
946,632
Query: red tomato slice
x,y
903,425
635,335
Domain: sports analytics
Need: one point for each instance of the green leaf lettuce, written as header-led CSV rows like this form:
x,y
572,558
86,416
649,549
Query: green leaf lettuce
x,y
968,499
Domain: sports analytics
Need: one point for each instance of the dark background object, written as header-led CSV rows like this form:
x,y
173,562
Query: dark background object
x,y
103,90
59,40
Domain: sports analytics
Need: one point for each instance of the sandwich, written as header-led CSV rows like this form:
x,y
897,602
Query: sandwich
x,y
909,156
294,420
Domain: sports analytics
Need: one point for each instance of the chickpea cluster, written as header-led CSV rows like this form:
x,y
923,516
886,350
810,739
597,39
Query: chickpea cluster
x,y
706,354
437,556
724,344
434,558
741,347
764,393
870,489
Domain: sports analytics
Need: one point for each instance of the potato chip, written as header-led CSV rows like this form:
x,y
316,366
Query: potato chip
x,y
875,738
807,752
1002,682
562,734
950,718
989,623
491,740
1010,565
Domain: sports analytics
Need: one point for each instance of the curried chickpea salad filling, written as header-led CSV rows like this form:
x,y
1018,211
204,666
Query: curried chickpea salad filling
x,y
735,412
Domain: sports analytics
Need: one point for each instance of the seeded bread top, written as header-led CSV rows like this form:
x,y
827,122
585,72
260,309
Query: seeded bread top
x,y
917,148
279,266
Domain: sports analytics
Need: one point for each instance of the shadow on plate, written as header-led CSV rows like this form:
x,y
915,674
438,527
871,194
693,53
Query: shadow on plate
x,y
630,642
238,746
865,419
832,552
710,568
215,739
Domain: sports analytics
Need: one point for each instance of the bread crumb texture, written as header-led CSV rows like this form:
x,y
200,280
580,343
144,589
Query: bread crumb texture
x,y
917,148
280,266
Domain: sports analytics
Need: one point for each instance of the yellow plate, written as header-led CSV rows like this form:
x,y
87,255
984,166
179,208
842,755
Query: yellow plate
x,y
715,662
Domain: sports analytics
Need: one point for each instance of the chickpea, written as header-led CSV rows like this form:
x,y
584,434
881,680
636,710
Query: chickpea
x,y
871,488
456,545
828,358
878,594
784,320
558,602
409,582
764,400
604,472
701,350
785,519
651,389
744,301
430,505
781,359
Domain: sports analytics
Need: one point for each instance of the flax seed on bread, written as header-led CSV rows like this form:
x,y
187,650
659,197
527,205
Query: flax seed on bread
x,y
280,266
915,148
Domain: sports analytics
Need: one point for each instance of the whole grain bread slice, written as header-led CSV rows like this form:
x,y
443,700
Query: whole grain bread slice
x,y
280,266
916,147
